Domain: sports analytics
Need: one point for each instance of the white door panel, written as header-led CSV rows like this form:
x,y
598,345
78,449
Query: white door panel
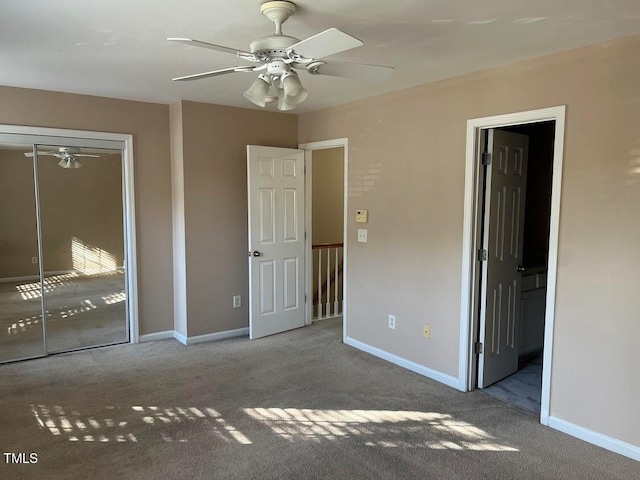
x,y
276,236
503,240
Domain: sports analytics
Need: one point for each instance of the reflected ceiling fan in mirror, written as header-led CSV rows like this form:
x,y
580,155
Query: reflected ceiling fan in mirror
x,y
68,156
279,55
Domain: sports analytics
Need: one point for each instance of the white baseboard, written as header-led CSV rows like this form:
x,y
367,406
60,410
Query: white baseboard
x,y
28,278
599,439
152,337
181,338
320,319
409,365
210,337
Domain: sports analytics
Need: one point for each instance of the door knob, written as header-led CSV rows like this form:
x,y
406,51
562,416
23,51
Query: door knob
x,y
256,253
521,268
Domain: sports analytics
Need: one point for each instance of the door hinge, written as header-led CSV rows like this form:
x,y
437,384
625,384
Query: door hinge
x,y
305,234
482,255
305,298
486,158
478,348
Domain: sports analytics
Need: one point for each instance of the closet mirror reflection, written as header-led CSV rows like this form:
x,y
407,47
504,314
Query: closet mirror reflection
x,y
81,221
21,328
62,246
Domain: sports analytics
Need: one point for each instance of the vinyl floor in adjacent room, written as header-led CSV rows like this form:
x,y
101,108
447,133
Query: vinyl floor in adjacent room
x,y
523,388
299,405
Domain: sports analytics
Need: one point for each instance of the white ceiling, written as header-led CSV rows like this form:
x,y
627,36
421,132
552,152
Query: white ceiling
x,y
118,48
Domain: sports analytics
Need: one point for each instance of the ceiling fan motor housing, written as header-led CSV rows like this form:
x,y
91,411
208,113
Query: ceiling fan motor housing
x,y
273,45
69,150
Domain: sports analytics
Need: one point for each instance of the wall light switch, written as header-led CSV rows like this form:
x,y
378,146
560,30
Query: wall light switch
x,y
362,216
362,235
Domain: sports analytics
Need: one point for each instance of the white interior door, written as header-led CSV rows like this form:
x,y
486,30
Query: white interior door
x,y
276,240
503,239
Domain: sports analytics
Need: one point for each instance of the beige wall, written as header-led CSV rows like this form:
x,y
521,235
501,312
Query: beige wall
x,y
215,140
149,124
328,195
406,164
18,224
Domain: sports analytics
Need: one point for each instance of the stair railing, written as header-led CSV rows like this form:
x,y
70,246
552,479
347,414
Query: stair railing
x,y
327,297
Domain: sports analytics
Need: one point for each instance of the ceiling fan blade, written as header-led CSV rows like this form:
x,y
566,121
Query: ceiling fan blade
x,y
198,43
326,43
214,73
30,154
85,155
360,71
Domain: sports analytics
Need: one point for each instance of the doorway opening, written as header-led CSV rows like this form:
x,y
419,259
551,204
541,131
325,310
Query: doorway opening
x,y
326,199
523,387
499,284
281,237
327,233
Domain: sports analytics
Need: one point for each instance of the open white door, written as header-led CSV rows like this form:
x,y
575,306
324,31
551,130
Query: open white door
x,y
276,240
506,180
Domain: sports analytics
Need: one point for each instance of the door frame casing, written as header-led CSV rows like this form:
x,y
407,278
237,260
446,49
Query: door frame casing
x,y
308,153
131,270
469,319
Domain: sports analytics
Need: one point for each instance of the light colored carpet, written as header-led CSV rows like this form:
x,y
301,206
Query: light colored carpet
x,y
299,405
82,311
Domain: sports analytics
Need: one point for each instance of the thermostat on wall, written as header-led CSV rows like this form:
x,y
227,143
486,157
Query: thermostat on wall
x,y
362,216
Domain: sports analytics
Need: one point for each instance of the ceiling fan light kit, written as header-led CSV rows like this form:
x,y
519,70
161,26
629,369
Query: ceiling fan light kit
x,y
70,163
279,54
68,156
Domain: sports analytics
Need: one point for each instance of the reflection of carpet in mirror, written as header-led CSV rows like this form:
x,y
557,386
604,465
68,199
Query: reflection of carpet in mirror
x,y
523,388
82,310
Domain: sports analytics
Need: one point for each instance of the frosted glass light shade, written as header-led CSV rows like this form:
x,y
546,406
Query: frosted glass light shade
x,y
257,92
70,162
294,92
282,103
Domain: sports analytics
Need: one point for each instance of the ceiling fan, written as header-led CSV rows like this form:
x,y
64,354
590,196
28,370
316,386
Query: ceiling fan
x,y
67,155
279,55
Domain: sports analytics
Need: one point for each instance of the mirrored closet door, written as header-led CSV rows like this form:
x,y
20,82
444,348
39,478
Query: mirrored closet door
x,y
21,334
81,218
62,248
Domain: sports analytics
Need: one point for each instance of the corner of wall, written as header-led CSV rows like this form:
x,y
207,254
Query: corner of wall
x,y
178,218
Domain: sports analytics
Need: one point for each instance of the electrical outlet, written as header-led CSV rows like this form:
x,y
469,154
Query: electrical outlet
x,y
392,322
237,301
34,259
362,235
426,331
